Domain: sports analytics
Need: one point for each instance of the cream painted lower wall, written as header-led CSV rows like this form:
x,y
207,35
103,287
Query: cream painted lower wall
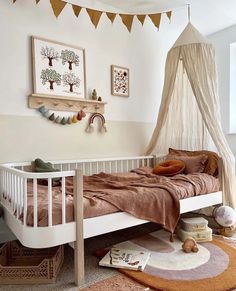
x,y
23,138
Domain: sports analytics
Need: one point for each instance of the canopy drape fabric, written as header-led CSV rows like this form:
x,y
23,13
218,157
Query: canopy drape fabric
x,y
189,114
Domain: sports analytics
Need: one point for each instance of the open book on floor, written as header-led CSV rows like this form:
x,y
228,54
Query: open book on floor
x,y
125,259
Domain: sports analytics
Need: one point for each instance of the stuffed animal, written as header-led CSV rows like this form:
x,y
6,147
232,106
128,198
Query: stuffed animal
x,y
227,231
190,245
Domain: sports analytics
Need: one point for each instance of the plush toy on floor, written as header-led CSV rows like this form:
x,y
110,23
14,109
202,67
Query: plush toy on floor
x,y
190,245
225,216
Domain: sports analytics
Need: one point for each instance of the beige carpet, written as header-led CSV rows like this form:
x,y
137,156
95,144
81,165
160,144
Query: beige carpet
x,y
95,277
124,283
93,273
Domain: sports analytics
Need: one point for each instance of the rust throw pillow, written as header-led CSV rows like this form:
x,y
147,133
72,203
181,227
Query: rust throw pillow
x,y
194,164
169,168
211,167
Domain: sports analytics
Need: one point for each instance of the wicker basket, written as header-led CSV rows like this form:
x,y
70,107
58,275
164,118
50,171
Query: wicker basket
x,y
21,265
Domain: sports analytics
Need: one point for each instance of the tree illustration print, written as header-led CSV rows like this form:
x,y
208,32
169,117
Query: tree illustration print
x,y
50,76
69,57
50,54
69,79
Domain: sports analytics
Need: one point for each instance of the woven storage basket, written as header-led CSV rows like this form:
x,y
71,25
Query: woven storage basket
x,y
21,265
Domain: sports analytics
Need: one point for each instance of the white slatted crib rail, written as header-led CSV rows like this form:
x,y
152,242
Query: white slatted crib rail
x,y
16,181
107,165
15,186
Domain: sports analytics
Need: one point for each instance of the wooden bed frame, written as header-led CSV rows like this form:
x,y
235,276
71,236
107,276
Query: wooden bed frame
x,y
13,198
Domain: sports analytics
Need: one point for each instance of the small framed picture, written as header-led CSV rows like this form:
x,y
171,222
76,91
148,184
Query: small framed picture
x,y
58,68
119,81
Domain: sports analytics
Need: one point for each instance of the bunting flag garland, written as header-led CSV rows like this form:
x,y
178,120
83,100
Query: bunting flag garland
x,y
111,16
95,15
57,6
169,14
76,9
141,18
127,20
156,19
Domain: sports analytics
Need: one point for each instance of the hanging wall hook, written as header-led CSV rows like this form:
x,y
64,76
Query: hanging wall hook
x,y
189,12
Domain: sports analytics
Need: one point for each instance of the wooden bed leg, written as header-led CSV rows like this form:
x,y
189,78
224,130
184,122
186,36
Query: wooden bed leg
x,y
79,243
172,237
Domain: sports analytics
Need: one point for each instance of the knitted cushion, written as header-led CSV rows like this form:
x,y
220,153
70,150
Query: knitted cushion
x,y
169,168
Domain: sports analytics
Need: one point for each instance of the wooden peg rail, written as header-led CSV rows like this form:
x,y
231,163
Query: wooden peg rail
x,y
61,103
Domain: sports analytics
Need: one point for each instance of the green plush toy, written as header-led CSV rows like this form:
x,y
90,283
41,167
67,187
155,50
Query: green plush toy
x,y
42,167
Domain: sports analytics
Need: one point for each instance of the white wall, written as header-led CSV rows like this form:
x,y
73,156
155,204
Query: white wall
x,y
25,134
109,44
221,41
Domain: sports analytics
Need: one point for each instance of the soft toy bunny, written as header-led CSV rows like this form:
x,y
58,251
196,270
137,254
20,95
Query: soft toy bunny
x,y
190,245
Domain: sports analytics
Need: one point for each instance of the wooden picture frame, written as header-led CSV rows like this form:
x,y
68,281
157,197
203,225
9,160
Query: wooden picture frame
x,y
119,81
58,69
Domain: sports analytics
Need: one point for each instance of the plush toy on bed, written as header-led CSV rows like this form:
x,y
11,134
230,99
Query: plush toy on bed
x,y
190,245
42,167
169,168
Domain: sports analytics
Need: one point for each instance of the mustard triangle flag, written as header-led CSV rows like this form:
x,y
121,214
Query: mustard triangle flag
x,y
57,6
141,18
156,19
76,9
111,16
127,20
169,14
94,15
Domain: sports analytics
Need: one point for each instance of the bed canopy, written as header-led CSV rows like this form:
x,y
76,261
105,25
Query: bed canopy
x,y
189,115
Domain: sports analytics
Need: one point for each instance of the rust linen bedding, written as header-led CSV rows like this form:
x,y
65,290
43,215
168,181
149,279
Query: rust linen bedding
x,y
140,193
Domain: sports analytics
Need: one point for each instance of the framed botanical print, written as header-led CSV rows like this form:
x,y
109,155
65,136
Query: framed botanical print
x,y
58,69
119,81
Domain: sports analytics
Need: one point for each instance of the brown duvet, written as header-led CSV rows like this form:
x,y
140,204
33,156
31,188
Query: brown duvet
x,y
140,193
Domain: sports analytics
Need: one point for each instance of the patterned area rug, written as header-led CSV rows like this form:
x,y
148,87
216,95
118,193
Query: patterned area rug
x,y
213,268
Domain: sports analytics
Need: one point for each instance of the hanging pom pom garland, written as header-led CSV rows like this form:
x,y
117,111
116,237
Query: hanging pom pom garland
x,y
91,125
52,117
58,119
74,119
61,120
69,120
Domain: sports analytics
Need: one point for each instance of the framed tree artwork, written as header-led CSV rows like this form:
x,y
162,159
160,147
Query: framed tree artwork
x,y
119,81
58,69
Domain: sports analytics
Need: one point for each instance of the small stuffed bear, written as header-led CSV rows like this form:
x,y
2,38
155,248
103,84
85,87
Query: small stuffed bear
x,y
227,231
190,245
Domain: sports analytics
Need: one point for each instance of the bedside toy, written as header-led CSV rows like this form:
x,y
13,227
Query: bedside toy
x,y
225,216
227,231
190,245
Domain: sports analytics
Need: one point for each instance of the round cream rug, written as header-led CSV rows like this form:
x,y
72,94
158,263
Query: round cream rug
x,y
213,268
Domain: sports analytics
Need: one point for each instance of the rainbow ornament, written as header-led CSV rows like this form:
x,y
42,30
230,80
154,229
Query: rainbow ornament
x,y
91,120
